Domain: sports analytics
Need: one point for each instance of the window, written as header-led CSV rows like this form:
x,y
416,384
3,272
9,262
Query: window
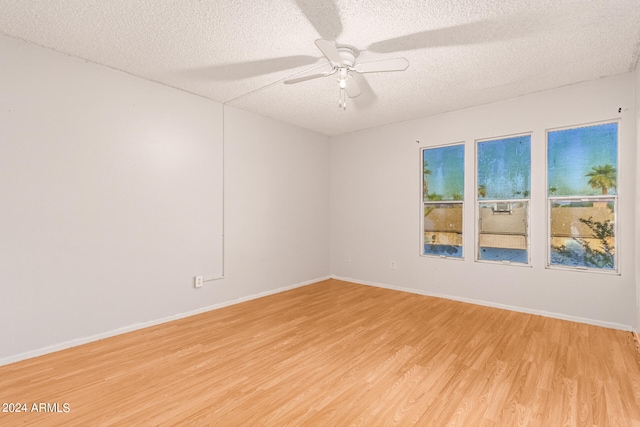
x,y
442,196
582,170
504,170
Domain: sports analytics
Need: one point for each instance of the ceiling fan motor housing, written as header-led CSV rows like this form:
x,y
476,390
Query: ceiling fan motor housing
x,y
348,55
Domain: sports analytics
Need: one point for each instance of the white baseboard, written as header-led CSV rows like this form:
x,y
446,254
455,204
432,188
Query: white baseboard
x,y
610,325
135,327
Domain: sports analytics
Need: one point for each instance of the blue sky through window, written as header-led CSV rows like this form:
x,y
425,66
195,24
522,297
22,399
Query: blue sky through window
x,y
573,153
504,168
446,166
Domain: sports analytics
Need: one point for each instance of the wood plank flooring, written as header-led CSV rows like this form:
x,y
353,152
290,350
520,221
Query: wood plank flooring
x,y
339,354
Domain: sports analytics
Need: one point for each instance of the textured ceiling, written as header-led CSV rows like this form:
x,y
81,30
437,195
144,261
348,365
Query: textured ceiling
x,y
461,53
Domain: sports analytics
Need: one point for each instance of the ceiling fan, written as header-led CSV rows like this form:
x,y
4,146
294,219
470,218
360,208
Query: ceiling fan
x,y
325,18
343,62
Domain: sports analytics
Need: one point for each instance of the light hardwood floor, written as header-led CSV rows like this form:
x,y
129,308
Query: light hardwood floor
x,y
339,354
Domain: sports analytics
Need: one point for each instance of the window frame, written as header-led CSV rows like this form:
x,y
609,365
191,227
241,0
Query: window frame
x,y
424,203
563,198
479,202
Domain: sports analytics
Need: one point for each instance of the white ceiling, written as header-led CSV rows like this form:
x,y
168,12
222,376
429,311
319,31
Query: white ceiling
x,y
461,53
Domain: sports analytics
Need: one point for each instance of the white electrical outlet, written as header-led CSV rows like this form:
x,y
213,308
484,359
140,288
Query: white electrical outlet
x,y
197,281
393,264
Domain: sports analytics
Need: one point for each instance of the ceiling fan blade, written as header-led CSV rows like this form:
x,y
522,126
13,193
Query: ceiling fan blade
x,y
368,97
305,78
324,16
352,88
392,64
329,49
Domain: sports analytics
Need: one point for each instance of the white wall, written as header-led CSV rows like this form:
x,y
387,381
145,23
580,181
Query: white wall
x,y
109,202
376,212
276,204
637,204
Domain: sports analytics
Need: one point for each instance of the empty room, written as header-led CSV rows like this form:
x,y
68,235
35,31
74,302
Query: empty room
x,y
319,213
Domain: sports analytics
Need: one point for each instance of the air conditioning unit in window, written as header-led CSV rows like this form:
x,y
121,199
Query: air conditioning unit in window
x,y
502,208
